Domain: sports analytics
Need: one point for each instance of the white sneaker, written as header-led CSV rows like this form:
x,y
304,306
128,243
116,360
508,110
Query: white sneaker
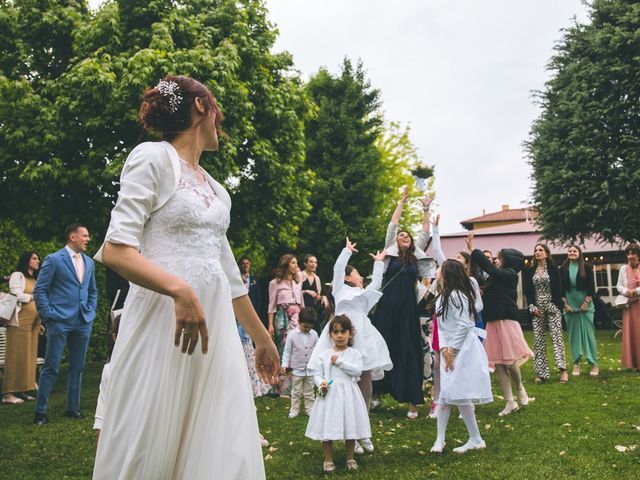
x,y
375,403
358,450
470,446
293,414
438,447
367,444
412,415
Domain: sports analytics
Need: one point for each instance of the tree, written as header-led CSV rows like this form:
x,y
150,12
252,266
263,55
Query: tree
x,y
358,165
585,145
70,88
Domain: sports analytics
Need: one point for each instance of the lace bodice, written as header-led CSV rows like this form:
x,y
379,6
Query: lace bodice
x,y
185,235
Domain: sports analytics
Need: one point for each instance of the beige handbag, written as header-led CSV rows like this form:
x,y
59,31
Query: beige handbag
x,y
8,306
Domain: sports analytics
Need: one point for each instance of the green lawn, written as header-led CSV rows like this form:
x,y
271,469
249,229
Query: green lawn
x,y
570,431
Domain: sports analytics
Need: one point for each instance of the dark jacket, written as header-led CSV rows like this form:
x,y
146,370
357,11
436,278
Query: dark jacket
x,y
554,280
583,284
501,294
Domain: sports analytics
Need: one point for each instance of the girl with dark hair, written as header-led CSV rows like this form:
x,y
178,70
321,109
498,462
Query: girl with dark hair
x,y
505,345
578,290
543,290
629,287
354,301
167,236
464,379
477,279
396,317
285,303
22,340
339,412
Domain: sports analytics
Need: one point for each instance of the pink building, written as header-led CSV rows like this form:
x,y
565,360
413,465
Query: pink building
x,y
515,228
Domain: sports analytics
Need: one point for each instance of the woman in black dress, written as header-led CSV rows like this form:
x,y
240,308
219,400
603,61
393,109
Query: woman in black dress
x,y
396,316
312,290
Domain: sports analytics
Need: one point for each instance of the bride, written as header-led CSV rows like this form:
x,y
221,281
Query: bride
x,y
169,415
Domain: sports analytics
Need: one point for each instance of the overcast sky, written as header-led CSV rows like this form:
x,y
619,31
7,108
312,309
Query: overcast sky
x,y
459,72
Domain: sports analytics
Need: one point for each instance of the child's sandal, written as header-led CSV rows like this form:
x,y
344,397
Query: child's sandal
x,y
328,466
352,465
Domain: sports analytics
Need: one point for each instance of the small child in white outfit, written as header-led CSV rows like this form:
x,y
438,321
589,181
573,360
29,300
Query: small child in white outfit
x,y
295,357
339,412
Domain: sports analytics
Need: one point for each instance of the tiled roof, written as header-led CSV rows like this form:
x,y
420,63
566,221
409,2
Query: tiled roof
x,y
508,215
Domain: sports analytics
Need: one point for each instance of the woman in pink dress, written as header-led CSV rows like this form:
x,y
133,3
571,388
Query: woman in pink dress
x,y
629,286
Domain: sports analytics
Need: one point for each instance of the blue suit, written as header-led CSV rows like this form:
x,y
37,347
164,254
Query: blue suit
x,y
67,309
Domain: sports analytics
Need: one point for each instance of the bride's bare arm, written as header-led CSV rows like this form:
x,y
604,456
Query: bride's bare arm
x,y
267,358
190,319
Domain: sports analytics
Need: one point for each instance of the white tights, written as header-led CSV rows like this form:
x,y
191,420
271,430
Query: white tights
x,y
505,374
468,416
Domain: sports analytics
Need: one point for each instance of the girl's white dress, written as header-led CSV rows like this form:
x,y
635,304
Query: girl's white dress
x,y
341,414
469,382
356,303
169,415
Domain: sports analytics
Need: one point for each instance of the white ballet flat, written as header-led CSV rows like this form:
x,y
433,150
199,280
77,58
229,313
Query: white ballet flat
x,y
470,446
438,447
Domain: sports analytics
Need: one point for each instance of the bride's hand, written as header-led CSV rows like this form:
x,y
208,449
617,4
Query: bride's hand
x,y
190,321
267,362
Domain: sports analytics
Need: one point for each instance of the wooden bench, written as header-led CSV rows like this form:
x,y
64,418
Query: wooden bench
x,y
3,349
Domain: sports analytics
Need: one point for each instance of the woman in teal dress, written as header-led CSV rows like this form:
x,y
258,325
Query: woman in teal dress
x,y
577,294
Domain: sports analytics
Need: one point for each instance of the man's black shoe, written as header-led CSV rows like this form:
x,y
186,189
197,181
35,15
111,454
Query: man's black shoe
x,y
74,414
40,419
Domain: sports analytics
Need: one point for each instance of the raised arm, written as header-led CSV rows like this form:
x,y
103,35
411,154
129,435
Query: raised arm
x,y
397,213
437,245
422,240
378,270
339,269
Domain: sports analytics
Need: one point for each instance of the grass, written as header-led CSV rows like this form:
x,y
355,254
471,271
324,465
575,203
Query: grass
x,y
570,431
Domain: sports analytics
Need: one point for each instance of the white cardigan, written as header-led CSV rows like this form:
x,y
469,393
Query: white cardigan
x,y
149,179
17,284
426,264
622,281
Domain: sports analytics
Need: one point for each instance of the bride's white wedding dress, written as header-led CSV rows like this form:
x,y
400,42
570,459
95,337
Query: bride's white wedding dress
x,y
170,415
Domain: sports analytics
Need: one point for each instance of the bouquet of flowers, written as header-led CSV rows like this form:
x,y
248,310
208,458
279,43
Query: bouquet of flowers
x,y
421,174
423,171
323,389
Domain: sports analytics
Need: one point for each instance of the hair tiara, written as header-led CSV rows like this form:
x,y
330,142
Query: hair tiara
x,y
171,90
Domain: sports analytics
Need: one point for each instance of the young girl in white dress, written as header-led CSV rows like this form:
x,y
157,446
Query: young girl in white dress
x,y
464,371
339,412
355,302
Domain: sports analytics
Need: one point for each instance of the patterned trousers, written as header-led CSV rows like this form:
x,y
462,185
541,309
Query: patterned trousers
x,y
551,321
